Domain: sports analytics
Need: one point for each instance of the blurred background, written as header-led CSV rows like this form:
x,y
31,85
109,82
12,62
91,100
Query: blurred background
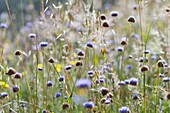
x,y
21,9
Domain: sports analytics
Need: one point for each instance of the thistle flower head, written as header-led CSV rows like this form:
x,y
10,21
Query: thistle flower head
x,y
114,13
32,35
124,109
10,71
83,83
133,81
103,17
49,83
88,105
131,19
43,44
3,25
15,88
3,94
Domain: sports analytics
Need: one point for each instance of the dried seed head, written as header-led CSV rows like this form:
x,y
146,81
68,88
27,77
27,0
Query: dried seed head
x,y
167,9
18,52
102,100
11,71
32,35
103,17
104,91
80,53
51,60
168,96
105,24
161,63
15,88
144,68
65,106
18,75
79,63
124,41
131,19
109,95
90,44
114,13
129,66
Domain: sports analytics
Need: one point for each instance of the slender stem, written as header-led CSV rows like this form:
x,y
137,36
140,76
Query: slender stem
x,y
36,74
